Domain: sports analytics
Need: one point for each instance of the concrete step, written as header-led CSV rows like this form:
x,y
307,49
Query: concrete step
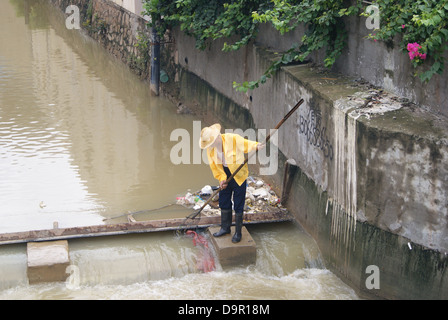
x,y
234,254
47,261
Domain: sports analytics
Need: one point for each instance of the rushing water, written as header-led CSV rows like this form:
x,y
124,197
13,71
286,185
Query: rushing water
x,y
81,139
163,266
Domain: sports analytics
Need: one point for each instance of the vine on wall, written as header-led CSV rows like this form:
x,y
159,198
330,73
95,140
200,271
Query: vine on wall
x,y
422,25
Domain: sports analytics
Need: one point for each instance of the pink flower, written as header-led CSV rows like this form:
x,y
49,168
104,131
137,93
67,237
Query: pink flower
x,y
413,46
413,51
403,26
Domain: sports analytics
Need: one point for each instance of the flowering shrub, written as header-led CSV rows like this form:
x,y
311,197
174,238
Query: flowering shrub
x,y
423,27
208,20
413,51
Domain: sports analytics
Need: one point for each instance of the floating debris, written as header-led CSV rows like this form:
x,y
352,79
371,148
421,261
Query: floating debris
x,y
259,198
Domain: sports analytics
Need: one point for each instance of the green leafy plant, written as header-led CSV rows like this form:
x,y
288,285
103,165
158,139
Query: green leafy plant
x,y
324,25
420,22
140,61
206,20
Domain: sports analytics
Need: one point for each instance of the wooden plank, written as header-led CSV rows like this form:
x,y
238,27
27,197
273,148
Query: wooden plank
x,y
290,171
135,227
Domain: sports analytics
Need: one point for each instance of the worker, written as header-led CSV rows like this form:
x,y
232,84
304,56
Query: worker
x,y
225,153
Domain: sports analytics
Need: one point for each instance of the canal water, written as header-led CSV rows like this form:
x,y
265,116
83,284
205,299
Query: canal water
x,y
81,140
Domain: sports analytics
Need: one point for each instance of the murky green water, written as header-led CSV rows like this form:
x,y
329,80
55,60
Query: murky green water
x,y
81,139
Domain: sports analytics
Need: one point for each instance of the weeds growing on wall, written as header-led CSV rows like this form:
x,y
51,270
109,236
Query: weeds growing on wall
x,y
422,24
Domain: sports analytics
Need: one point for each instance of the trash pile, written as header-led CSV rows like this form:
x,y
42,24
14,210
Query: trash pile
x,y
259,198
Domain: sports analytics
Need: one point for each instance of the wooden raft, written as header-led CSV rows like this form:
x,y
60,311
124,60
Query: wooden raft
x,y
135,227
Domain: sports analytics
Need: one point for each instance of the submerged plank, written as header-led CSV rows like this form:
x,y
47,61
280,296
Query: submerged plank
x,y
135,227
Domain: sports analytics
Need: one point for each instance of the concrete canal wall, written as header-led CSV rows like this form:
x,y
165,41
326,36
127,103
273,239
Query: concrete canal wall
x,y
371,184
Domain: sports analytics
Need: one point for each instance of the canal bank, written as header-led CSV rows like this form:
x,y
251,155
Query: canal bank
x,y
372,176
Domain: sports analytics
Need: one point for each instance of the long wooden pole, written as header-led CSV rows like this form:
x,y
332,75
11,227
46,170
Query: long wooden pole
x,y
133,227
194,214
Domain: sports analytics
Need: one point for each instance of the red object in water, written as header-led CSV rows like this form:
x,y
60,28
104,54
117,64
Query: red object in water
x,y
208,262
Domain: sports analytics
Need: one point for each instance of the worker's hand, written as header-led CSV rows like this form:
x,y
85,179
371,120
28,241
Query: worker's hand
x,y
261,146
222,185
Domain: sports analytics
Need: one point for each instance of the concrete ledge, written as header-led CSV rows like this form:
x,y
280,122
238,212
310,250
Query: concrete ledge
x,y
47,261
233,254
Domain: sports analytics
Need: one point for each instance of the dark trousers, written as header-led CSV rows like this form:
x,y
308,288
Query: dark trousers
x,y
239,195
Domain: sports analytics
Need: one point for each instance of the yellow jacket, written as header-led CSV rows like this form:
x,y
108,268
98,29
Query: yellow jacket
x,y
235,146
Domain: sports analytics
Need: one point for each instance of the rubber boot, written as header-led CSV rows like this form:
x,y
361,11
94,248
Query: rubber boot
x,y
226,222
238,226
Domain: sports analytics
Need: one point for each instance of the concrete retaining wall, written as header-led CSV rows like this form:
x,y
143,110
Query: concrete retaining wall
x,y
380,64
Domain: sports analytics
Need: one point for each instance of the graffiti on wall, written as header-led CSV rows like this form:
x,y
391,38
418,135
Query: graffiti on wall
x,y
316,134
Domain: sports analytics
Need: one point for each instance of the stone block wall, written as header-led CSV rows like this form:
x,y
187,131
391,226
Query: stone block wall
x,y
122,33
